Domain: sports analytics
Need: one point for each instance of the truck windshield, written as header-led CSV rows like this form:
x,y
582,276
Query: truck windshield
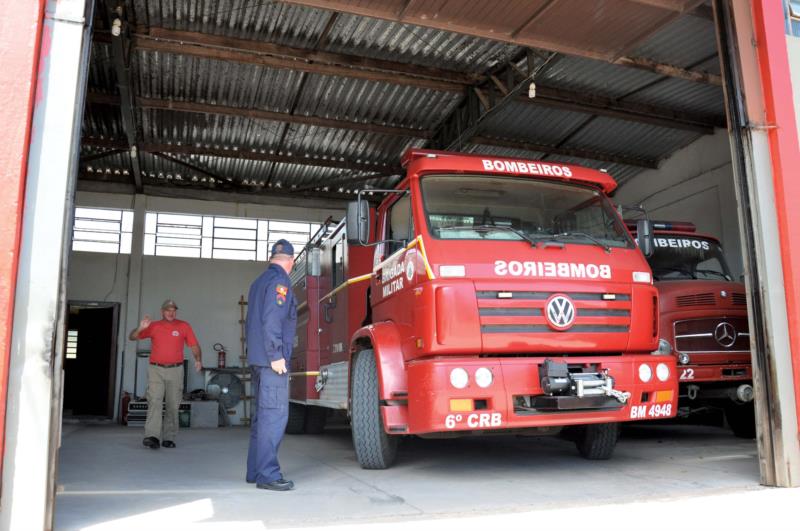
x,y
473,207
679,257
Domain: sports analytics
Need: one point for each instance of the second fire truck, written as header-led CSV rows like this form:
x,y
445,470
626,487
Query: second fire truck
x,y
704,317
483,294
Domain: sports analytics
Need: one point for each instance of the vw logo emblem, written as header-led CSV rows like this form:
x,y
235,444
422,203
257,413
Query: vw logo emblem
x,y
560,312
725,334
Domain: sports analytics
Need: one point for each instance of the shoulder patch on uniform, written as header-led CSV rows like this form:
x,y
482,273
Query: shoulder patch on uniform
x,y
281,289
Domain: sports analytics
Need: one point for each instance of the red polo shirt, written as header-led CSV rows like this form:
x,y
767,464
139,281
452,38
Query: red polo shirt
x,y
167,338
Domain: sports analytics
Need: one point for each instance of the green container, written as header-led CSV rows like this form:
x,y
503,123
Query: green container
x,y
185,419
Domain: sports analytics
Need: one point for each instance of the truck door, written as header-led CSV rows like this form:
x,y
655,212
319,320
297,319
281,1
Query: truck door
x,y
333,307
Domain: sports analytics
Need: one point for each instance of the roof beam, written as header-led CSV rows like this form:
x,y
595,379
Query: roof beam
x,y
635,112
670,71
257,114
567,152
306,54
246,51
247,154
258,195
466,120
396,73
117,18
677,6
430,20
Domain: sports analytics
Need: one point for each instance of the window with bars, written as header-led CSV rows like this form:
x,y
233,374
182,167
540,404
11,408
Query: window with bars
x,y
72,344
195,236
102,230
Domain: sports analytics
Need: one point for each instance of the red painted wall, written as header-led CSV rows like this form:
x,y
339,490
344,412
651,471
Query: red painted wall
x,y
776,83
20,37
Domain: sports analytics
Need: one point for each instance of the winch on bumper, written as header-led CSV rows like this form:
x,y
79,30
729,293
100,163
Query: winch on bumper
x,y
447,394
565,390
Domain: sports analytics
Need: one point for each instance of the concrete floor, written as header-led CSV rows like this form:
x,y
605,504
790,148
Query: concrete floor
x,y
108,480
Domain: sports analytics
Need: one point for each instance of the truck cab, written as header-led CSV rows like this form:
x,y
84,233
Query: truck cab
x,y
704,317
502,295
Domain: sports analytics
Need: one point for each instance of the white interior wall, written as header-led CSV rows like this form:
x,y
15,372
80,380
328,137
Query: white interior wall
x,y
695,184
207,291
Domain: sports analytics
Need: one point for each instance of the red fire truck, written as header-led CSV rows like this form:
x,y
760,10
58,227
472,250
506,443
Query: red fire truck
x,y
704,317
483,294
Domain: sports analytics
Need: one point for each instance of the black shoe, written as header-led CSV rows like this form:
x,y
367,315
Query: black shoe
x,y
151,442
250,480
168,444
278,484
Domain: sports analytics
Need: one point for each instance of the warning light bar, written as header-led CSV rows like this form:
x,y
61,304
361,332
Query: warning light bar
x,y
680,226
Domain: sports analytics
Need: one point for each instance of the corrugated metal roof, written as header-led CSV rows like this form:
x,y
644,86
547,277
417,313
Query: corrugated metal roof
x,y
102,76
261,20
686,41
595,77
683,42
533,123
616,136
181,77
374,102
407,43
683,95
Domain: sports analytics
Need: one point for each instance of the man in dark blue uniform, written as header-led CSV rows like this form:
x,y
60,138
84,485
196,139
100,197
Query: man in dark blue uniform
x,y
270,330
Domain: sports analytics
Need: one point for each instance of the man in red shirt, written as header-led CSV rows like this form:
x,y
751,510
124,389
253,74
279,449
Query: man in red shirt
x,y
165,372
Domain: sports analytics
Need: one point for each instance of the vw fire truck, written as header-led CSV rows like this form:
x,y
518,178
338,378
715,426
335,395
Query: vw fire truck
x,y
482,295
704,317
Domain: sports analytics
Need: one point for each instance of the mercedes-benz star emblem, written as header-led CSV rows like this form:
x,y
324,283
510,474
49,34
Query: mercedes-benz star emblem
x,y
725,334
560,312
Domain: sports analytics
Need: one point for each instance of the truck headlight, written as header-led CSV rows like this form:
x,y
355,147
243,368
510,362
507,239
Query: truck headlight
x,y
664,348
662,372
459,378
645,373
483,377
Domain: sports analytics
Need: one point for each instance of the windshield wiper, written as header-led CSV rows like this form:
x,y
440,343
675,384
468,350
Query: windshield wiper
x,y
490,227
589,237
664,270
712,272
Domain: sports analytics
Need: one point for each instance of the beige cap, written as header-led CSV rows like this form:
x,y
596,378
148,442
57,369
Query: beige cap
x,y
169,303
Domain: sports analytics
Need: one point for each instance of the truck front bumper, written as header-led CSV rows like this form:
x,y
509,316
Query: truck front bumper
x,y
515,399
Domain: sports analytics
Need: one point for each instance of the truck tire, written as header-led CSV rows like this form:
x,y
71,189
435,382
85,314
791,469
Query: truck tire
x,y
316,418
375,449
297,419
742,419
597,441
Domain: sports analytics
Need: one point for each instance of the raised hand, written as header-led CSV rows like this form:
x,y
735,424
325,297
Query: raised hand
x,y
145,322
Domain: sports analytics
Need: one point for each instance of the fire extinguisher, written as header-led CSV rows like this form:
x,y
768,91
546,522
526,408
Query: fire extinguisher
x,y
220,355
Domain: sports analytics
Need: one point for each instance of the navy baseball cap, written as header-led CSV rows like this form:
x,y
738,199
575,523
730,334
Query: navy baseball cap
x,y
282,247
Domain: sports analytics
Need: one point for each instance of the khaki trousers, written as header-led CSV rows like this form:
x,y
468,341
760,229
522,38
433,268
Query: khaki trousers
x,y
164,386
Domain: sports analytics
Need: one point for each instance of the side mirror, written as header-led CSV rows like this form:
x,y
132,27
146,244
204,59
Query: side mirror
x,y
644,233
357,222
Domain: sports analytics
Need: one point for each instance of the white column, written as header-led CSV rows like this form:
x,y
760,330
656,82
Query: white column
x,y
35,375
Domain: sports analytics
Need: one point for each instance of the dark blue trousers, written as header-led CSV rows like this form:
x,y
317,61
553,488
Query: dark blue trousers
x,y
267,423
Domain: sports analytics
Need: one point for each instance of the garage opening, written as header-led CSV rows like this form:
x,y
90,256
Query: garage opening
x,y
211,131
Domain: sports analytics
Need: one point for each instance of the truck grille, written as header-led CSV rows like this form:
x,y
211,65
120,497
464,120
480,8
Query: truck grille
x,y
503,312
739,299
712,335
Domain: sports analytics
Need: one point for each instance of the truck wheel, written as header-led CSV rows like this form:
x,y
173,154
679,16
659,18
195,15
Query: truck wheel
x,y
597,441
375,449
742,419
297,419
316,417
